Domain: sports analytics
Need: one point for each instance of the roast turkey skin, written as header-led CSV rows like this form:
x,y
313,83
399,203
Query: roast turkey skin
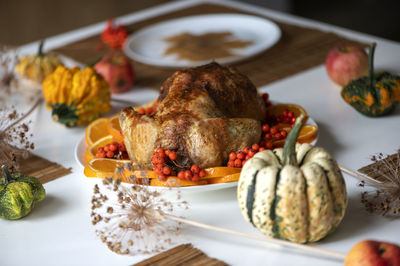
x,y
203,114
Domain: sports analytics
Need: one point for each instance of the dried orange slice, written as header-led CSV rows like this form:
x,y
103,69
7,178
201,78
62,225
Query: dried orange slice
x,y
221,171
277,109
102,167
92,150
174,181
307,134
96,130
224,179
114,129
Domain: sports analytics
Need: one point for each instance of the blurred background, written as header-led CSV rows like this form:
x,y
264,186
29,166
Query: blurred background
x,y
24,21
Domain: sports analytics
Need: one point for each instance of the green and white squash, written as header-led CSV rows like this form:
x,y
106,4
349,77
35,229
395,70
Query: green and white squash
x,y
296,193
18,194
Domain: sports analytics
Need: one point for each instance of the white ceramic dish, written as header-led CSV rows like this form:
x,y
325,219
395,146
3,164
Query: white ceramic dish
x,y
80,150
148,45
81,147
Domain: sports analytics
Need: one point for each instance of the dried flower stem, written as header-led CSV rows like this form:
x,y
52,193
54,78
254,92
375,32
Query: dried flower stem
x,y
385,200
38,102
362,177
334,255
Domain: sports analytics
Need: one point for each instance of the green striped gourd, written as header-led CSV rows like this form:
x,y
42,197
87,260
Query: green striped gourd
x,y
296,193
18,194
375,95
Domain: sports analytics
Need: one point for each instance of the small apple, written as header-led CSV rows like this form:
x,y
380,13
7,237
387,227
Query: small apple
x,y
117,70
346,62
372,253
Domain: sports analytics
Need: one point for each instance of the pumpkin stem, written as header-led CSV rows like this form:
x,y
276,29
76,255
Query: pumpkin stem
x,y
65,114
6,174
289,150
371,65
40,50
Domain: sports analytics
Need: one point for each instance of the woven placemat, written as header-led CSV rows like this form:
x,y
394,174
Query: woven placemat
x,y
184,254
298,49
42,169
381,168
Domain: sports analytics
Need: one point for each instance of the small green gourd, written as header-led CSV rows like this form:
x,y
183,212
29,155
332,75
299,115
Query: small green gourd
x,y
373,95
18,194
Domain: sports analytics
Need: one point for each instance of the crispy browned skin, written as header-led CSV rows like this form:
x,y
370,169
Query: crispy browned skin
x,y
204,113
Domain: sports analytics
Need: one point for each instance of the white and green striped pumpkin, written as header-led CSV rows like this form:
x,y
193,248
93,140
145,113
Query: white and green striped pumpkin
x,y
296,193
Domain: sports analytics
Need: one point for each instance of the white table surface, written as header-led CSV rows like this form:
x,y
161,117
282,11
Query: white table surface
x,y
59,232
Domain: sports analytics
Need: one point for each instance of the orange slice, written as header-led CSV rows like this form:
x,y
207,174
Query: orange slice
x,y
92,150
96,130
114,129
277,109
224,179
307,134
101,168
221,171
174,181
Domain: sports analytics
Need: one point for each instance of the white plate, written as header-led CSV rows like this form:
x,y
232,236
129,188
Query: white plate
x,y
148,45
80,150
81,147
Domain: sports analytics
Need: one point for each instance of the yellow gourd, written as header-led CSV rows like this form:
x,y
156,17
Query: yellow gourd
x,y
76,96
36,67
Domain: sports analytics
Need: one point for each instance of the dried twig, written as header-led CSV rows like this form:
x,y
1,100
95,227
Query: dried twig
x,y
138,214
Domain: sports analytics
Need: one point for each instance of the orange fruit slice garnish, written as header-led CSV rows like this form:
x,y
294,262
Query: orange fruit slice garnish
x,y
114,129
277,109
102,167
96,130
221,171
174,181
224,179
92,150
307,134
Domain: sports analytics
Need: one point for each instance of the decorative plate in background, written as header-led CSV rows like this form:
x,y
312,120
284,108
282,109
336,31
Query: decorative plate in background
x,y
148,45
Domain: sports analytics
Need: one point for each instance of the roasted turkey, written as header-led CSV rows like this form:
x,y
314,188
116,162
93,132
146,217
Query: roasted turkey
x,y
203,114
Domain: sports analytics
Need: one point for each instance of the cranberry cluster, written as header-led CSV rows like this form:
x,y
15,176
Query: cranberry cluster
x,y
164,161
149,110
238,159
194,174
271,134
113,150
287,117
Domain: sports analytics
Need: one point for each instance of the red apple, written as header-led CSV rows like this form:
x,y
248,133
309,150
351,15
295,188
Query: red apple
x,y
345,63
373,253
117,70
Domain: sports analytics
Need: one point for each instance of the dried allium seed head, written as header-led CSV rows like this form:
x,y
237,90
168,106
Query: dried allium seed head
x,y
386,199
9,84
14,139
131,218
